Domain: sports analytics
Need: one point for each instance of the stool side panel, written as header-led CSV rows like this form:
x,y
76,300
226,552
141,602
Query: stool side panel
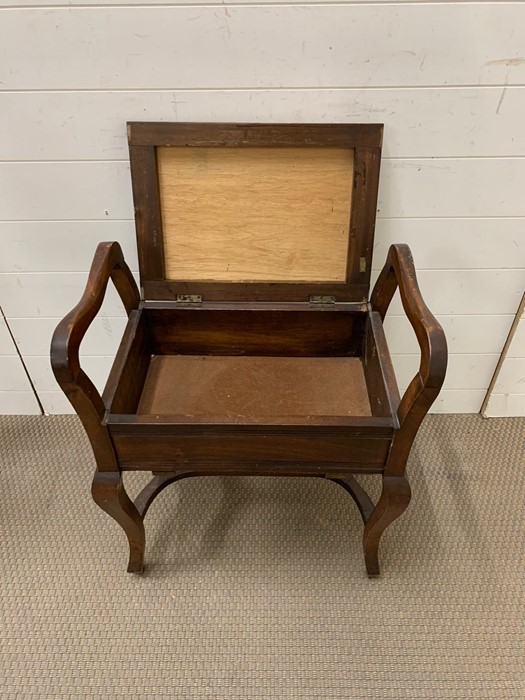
x,y
304,333
158,452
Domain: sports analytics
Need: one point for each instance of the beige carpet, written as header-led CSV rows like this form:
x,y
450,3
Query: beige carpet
x,y
256,588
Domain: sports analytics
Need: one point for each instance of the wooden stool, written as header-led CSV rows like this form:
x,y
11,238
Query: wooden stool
x,y
254,347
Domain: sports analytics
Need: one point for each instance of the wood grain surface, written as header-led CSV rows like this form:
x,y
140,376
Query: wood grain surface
x,y
265,214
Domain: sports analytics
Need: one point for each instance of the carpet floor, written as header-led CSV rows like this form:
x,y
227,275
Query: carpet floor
x,y
256,587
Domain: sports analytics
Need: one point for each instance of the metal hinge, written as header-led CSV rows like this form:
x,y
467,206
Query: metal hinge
x,y
322,300
189,299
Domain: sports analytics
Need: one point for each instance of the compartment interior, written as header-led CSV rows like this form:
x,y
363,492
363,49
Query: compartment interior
x,y
254,387
248,365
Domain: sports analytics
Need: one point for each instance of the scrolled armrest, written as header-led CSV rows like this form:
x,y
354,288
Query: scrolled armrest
x,y
399,271
108,263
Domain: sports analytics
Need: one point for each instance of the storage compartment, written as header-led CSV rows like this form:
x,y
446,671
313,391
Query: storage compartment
x,y
222,390
254,345
251,366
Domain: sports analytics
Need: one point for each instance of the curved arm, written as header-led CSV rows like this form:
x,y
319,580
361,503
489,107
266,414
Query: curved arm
x,y
399,272
107,264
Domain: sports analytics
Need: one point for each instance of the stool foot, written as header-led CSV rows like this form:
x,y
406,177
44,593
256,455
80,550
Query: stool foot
x,y
109,494
393,501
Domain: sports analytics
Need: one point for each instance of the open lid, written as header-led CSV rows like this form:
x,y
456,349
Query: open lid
x,y
255,212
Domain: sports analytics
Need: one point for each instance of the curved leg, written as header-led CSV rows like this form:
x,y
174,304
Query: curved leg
x,y
360,496
109,494
393,501
152,489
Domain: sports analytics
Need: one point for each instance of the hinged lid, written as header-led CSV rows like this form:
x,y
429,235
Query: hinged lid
x,y
255,212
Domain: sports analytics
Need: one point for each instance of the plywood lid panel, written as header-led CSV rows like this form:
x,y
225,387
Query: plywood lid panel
x,y
255,212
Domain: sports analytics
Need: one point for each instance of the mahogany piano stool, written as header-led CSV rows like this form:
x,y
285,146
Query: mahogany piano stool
x,y
253,346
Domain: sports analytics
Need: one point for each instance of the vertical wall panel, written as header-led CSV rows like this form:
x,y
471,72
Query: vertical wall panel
x,y
507,396
447,80
16,393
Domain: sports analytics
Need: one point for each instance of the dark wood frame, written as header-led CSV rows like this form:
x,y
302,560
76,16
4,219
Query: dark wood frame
x,y
176,447
145,137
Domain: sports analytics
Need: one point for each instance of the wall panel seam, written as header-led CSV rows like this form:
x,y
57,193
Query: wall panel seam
x,y
374,269
378,218
68,7
88,161
270,88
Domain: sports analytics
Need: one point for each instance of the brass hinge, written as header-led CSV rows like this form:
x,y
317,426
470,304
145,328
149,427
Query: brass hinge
x,y
322,300
189,299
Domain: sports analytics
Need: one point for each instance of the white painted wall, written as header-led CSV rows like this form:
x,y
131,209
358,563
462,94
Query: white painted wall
x,y
507,394
447,79
16,392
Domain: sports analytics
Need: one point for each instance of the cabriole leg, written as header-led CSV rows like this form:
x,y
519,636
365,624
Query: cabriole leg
x,y
393,501
109,494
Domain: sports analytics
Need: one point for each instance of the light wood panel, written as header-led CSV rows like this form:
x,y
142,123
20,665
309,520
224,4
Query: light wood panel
x,y
459,244
398,48
18,403
32,295
506,396
467,373
283,46
33,335
7,346
458,401
465,334
12,374
255,214
408,188
450,292
96,367
61,246
463,371
55,402
65,191
511,379
472,371
517,346
437,244
420,122
480,334
228,3
414,187
448,401
446,292
505,405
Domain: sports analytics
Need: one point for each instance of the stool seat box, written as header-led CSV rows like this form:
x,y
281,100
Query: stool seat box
x,y
253,346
